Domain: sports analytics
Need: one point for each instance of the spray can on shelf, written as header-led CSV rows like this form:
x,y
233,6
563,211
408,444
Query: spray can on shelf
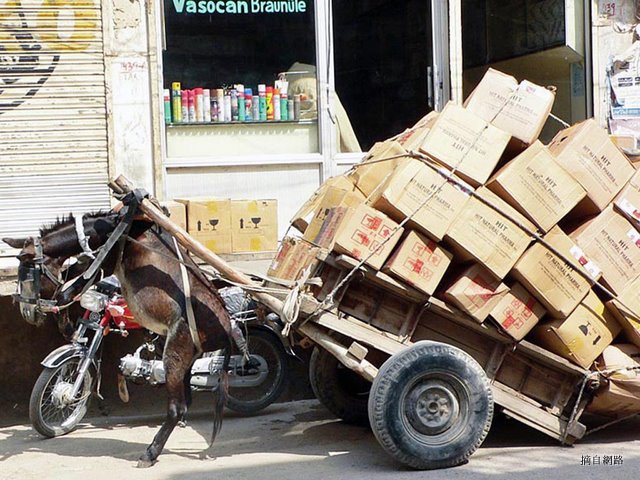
x,y
241,103
262,92
199,104
269,97
214,107
255,108
291,109
184,106
248,104
192,106
176,102
206,102
283,85
220,95
166,96
227,107
234,104
276,104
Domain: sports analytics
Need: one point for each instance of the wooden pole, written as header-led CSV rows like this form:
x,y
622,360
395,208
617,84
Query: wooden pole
x,y
123,185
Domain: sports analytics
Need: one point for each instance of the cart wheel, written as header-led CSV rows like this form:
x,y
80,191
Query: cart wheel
x,y
431,406
342,391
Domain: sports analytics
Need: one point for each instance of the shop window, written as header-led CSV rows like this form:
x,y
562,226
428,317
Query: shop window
x,y
239,77
383,51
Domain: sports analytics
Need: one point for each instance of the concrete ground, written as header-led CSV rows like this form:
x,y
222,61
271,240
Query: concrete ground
x,y
299,440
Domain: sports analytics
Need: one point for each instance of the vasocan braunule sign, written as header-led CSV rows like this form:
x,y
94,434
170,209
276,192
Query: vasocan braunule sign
x,y
33,42
239,6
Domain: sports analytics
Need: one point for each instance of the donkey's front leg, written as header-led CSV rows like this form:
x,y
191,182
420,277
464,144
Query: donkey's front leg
x,y
178,357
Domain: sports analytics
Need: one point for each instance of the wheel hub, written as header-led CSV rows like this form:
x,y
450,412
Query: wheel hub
x,y
61,394
431,407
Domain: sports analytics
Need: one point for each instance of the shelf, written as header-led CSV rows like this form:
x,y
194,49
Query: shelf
x,y
226,124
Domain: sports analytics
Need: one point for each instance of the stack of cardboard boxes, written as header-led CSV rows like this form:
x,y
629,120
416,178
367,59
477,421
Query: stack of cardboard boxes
x,y
228,226
461,221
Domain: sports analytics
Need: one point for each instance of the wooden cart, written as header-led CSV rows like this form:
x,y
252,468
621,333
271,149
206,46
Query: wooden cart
x,y
436,373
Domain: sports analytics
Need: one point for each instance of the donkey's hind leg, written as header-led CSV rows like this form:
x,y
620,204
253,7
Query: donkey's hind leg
x,y
178,356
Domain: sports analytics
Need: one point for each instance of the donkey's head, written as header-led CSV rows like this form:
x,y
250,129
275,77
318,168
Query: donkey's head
x,y
42,270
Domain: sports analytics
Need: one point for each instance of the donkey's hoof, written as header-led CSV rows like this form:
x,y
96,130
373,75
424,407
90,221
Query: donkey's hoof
x,y
144,462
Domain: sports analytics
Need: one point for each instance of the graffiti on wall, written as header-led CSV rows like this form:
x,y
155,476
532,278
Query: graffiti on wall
x,y
34,36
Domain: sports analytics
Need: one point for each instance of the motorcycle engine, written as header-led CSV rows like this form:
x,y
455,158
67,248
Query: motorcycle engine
x,y
137,369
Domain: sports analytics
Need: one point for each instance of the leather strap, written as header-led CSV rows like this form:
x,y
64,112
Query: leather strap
x,y
191,319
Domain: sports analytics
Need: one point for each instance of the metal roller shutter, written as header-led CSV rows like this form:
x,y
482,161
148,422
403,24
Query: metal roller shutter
x,y
53,122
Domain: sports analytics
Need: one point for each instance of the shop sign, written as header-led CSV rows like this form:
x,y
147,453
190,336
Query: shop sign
x,y
239,6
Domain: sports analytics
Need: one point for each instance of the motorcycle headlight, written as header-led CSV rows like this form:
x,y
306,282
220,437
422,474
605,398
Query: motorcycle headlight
x,y
94,301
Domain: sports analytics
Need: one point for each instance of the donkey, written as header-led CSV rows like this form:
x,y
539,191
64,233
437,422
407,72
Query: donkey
x,y
145,262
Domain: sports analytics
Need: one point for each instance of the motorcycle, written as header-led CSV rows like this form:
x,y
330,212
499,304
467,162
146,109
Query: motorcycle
x,y
61,394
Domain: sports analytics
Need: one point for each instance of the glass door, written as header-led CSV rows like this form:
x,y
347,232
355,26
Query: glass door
x,y
387,67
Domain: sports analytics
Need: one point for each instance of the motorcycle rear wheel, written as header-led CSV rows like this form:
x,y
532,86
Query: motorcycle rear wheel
x,y
250,400
51,412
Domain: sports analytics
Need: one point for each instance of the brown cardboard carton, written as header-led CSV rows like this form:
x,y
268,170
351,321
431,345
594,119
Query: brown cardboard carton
x,y
491,94
482,233
420,262
627,310
583,335
614,245
588,154
305,213
375,170
332,197
209,222
558,286
409,187
363,231
177,212
413,137
620,394
521,110
294,257
461,140
539,188
628,200
476,292
517,312
254,225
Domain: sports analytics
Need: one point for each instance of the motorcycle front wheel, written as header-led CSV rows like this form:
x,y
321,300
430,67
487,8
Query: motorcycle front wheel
x,y
250,400
52,411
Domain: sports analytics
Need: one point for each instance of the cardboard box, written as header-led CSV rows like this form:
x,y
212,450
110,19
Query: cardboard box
x,y
588,154
209,222
628,200
535,185
517,312
331,198
614,245
521,110
293,258
620,395
306,212
254,225
482,233
409,187
177,212
460,139
375,170
558,286
413,137
627,311
360,232
420,262
583,335
476,292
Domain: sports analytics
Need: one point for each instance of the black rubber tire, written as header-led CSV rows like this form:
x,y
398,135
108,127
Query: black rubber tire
x,y
48,419
249,401
342,391
431,406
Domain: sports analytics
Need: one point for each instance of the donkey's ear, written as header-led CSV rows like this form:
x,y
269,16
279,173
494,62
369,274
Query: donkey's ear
x,y
15,242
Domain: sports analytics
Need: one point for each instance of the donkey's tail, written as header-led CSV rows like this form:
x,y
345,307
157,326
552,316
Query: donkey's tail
x,y
220,395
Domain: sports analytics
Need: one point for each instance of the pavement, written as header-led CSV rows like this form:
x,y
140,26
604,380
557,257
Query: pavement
x,y
300,440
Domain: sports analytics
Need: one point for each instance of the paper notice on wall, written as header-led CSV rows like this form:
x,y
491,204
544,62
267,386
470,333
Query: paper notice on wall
x,y
624,81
